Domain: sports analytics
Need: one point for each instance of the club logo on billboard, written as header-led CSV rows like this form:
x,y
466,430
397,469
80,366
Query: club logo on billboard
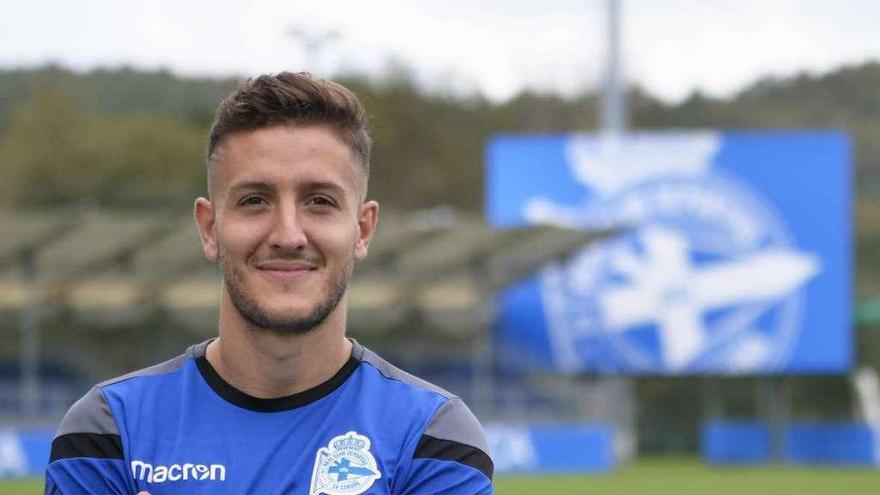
x,y
703,276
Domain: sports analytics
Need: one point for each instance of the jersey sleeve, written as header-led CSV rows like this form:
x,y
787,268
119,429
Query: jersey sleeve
x,y
86,455
451,456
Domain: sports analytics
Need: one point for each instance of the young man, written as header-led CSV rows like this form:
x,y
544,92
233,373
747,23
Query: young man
x,y
281,402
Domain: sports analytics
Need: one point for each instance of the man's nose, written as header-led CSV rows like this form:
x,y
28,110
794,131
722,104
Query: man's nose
x,y
287,229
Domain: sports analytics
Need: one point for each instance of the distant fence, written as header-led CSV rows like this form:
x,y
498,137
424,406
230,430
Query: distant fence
x,y
53,400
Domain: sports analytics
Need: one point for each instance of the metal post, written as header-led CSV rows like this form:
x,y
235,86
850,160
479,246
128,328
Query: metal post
x,y
482,354
614,123
482,384
30,339
775,407
614,108
314,44
713,401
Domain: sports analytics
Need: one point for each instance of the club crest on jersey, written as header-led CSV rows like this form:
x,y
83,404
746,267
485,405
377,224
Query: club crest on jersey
x,y
344,467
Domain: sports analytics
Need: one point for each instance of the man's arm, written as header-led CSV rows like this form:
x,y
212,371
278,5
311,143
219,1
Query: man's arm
x,y
451,456
87,452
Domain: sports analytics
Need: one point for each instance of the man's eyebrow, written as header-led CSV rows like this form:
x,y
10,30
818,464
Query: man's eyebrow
x,y
262,186
318,185
251,186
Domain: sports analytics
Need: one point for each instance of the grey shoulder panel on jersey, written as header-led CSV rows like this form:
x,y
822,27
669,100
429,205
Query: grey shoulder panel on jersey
x,y
454,422
90,414
169,366
88,430
392,372
455,435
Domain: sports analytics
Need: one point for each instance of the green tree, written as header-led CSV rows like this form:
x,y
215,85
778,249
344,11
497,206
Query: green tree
x,y
54,154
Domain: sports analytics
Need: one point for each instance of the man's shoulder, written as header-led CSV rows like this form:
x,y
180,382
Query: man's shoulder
x,y
89,415
391,372
451,430
92,413
89,429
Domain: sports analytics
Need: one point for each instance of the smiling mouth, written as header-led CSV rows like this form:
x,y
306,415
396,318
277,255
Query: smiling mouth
x,y
286,270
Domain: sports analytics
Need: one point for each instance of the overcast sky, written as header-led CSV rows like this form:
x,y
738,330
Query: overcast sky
x,y
496,47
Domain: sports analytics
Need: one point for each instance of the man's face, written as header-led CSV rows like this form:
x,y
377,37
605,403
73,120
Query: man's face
x,y
286,224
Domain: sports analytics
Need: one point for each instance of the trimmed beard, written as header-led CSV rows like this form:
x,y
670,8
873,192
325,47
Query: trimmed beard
x,y
261,319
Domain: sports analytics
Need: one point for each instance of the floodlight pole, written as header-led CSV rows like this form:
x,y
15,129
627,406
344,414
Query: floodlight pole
x,y
313,44
613,119
614,107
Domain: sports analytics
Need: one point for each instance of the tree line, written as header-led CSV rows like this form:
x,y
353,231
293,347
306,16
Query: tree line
x,y
129,138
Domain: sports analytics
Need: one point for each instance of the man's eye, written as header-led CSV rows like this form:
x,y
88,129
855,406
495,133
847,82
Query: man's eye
x,y
321,201
252,201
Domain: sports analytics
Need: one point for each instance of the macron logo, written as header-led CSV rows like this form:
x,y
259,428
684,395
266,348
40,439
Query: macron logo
x,y
145,471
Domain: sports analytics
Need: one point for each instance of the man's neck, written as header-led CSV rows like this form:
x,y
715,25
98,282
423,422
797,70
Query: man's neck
x,y
268,364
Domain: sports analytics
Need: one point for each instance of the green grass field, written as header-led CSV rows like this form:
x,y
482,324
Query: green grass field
x,y
661,477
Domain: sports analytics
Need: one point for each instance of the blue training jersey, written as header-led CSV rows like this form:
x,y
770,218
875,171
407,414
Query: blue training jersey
x,y
179,428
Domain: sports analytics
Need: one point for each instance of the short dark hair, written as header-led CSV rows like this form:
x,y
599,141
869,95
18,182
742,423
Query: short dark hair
x,y
295,99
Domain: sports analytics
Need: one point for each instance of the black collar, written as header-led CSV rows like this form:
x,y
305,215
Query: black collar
x,y
275,404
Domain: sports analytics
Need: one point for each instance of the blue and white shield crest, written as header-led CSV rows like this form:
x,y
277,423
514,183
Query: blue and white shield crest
x,y
344,467
732,254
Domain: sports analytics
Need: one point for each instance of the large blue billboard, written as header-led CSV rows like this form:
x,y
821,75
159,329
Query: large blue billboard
x,y
732,252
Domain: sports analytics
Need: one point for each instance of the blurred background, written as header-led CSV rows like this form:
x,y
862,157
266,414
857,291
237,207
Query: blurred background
x,y
556,178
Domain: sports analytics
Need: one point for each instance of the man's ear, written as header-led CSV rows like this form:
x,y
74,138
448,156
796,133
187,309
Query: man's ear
x,y
367,219
203,212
